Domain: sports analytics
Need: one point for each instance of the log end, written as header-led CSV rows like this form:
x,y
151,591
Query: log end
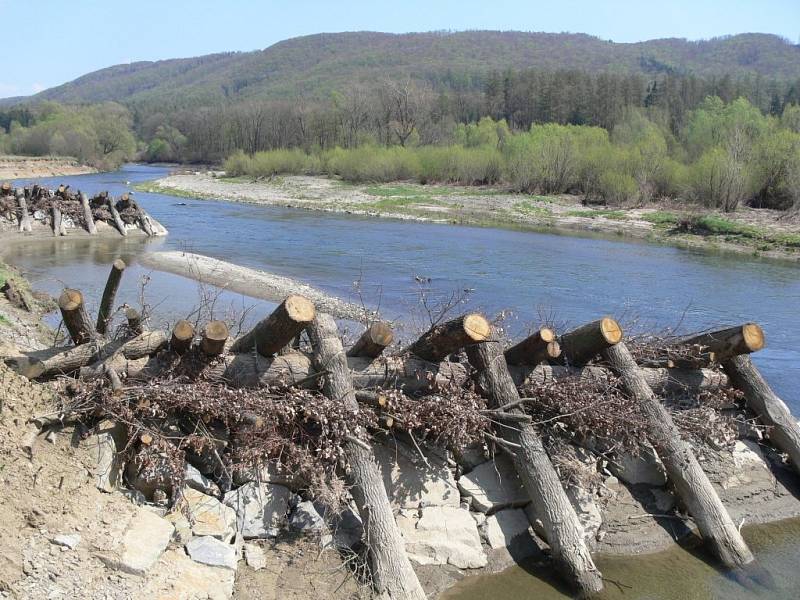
x,y
300,309
380,334
70,300
119,265
216,331
611,330
477,327
753,337
553,350
547,335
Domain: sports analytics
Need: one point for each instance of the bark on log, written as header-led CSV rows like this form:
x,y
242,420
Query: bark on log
x,y
118,355
581,345
87,215
134,318
212,341
109,295
784,431
690,482
551,505
392,574
539,347
120,225
76,319
25,223
58,222
440,341
273,333
726,343
182,337
373,341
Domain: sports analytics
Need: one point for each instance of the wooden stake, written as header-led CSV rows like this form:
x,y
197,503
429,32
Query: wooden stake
x,y
279,328
581,345
58,222
87,214
24,216
134,318
182,337
109,295
443,340
115,215
215,334
76,319
373,341
539,347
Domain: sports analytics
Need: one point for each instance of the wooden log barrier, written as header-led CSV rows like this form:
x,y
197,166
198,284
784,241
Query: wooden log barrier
x,y
76,319
87,214
182,337
134,318
118,355
392,574
118,223
273,333
691,483
373,341
541,346
773,412
109,295
727,343
58,222
440,341
213,338
581,345
550,502
25,222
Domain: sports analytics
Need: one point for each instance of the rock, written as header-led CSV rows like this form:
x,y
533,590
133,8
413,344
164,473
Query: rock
x,y
346,526
148,472
503,527
410,483
588,513
494,485
305,518
443,535
143,542
208,516
645,468
260,508
472,456
254,556
105,445
206,459
267,473
210,551
134,496
178,577
68,540
197,481
748,453
183,529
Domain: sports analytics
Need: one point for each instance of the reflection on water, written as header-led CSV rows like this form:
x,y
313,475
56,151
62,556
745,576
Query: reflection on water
x,y
676,574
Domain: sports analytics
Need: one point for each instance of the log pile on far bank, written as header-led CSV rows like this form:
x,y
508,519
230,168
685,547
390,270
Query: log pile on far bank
x,y
63,209
288,401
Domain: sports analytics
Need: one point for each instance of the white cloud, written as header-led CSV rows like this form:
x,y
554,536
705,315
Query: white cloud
x,y
38,87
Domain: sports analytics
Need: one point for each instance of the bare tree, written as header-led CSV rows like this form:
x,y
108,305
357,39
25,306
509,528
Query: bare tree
x,y
404,106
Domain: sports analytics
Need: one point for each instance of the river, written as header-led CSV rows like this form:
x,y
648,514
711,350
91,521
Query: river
x,y
526,276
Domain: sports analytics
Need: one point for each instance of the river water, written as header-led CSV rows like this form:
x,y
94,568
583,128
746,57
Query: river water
x,y
526,276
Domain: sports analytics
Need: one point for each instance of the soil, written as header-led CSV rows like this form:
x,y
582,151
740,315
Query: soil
x,y
27,167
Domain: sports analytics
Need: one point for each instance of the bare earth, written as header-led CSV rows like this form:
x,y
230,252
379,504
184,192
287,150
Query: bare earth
x,y
26,167
484,206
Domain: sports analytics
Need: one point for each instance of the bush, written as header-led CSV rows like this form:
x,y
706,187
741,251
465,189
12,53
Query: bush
x,y
617,188
237,164
373,164
465,166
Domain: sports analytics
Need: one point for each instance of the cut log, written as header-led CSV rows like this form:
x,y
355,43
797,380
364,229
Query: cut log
x,y
146,222
690,482
118,355
76,319
25,223
120,225
26,366
58,222
273,333
392,574
109,295
551,505
182,337
541,346
581,345
212,341
679,357
87,214
773,412
730,342
134,318
441,341
373,341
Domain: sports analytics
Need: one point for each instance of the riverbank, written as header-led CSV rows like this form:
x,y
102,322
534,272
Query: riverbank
x,y
766,233
27,167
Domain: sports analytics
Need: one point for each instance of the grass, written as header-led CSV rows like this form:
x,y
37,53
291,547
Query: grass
x,y
4,321
394,202
661,217
617,215
732,231
527,207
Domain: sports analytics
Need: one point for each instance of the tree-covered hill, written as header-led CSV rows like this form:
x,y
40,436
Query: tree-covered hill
x,y
314,65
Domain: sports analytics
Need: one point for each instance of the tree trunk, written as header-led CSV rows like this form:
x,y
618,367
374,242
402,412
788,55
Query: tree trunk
x,y
727,343
58,222
550,502
134,318
117,356
146,223
392,574
773,412
537,348
87,215
115,216
581,345
109,295
689,480
76,319
24,216
273,333
443,340
182,337
373,341
212,341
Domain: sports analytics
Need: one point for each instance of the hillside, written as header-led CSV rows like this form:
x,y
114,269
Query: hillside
x,y
318,63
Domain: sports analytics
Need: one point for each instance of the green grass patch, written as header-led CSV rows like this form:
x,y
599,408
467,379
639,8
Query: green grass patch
x,y
716,225
527,207
617,215
395,202
661,217
4,321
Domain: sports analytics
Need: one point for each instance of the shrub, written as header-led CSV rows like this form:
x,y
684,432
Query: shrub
x,y
237,164
617,188
373,164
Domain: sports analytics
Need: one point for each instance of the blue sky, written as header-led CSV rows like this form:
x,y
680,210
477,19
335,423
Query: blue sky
x,y
49,42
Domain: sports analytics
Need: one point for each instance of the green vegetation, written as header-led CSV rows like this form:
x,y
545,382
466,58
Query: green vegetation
x,y
527,207
662,218
591,214
718,226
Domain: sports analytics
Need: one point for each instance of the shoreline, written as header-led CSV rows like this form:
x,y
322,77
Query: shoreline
x,y
31,167
496,208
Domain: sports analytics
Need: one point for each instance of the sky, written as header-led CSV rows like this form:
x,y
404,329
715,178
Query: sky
x,y
49,42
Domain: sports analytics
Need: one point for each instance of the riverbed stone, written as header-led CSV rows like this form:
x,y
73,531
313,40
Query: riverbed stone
x,y
442,535
178,577
143,542
644,468
197,481
307,519
254,556
260,508
210,551
208,516
504,527
412,481
493,486
587,510
105,445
